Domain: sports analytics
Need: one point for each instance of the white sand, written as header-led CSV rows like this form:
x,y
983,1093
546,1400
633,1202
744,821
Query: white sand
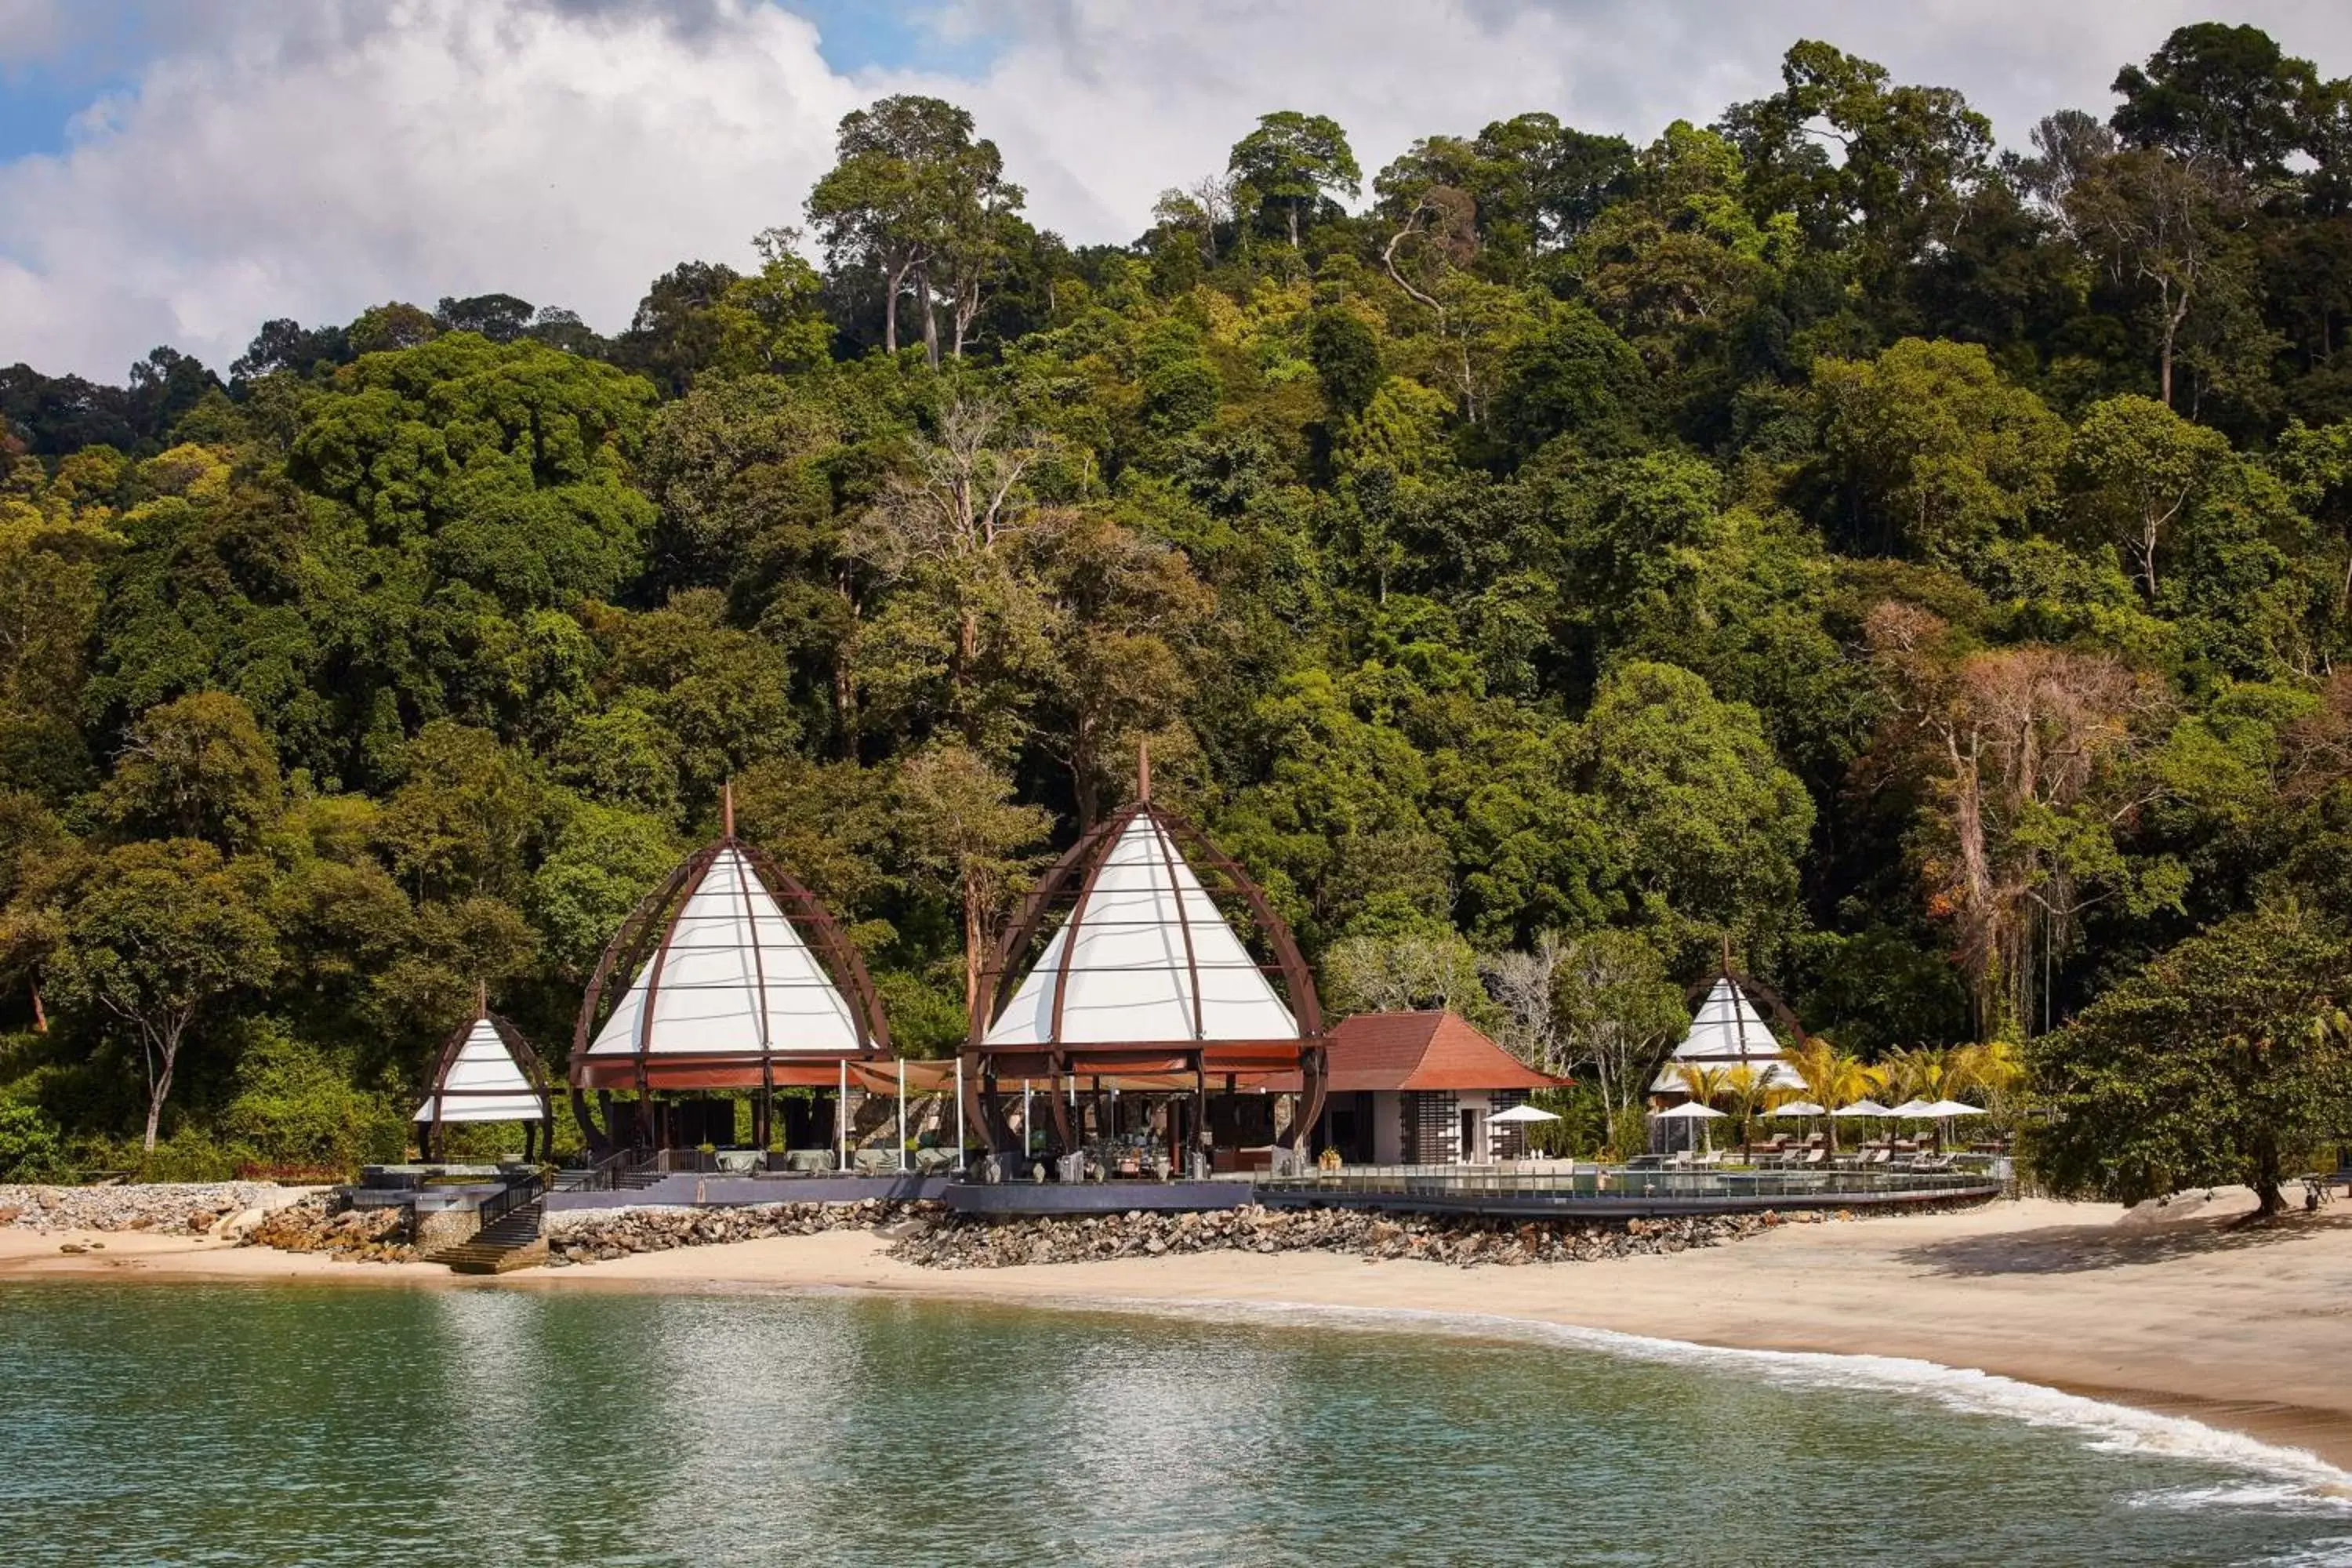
x,y
2175,1309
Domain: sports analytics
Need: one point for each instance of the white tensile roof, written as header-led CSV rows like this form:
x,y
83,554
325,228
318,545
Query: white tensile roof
x,y
1727,1033
491,1085
1127,977
736,979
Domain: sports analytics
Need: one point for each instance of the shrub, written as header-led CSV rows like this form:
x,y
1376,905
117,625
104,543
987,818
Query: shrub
x,y
30,1148
295,1106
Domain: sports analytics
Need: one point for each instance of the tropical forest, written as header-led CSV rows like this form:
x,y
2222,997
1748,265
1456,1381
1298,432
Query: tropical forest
x,y
1902,557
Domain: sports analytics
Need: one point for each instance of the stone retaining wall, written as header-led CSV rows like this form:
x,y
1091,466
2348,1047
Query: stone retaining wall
x,y
1458,1239
594,1236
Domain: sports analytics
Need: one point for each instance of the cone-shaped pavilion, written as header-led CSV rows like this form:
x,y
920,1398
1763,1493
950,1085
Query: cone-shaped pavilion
x,y
730,975
1727,1032
1138,969
485,1072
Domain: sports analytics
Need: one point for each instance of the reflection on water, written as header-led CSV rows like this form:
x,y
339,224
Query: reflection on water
x,y
258,1424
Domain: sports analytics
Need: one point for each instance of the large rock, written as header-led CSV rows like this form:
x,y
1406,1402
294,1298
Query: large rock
x,y
361,1235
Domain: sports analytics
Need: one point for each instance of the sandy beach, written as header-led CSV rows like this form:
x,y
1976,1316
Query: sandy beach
x,y
2173,1309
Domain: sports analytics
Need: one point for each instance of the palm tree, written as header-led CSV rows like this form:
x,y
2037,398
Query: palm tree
x,y
1831,1077
1749,1091
1917,1072
1704,1084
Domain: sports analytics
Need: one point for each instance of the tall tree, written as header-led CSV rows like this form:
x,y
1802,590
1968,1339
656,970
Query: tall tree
x,y
162,931
961,830
1294,162
913,191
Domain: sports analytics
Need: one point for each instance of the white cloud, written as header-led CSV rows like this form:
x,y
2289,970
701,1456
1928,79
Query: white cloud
x,y
311,160
452,149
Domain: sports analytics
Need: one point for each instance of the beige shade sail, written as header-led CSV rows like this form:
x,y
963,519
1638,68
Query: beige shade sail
x,y
484,1083
1727,1033
733,977
1145,957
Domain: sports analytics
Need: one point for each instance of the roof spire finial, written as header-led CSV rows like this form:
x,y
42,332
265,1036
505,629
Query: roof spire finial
x,y
1143,770
727,809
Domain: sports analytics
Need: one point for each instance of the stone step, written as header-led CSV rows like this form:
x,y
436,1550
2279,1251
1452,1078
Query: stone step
x,y
471,1258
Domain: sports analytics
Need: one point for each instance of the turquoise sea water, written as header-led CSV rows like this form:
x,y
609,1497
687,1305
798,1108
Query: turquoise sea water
x,y
267,1424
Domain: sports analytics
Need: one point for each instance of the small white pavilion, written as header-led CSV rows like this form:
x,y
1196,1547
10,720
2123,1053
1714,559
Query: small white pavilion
x,y
485,1073
1727,1032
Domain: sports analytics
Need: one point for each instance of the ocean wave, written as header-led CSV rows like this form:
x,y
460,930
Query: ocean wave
x,y
2297,1478
2334,1552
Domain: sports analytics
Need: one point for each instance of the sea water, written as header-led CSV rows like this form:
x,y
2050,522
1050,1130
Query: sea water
x,y
320,1424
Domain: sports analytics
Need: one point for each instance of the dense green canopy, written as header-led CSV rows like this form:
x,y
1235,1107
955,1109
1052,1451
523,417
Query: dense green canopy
x,y
1924,566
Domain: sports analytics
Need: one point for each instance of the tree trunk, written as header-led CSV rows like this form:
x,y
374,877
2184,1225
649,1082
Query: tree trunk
x,y
164,1043
40,1014
2267,1181
845,677
1293,213
890,310
972,923
967,654
930,319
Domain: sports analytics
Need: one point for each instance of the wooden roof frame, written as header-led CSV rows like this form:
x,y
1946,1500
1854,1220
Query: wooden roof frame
x,y
644,938
534,1071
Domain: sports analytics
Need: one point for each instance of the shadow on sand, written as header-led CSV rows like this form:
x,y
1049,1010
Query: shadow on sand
x,y
2145,1235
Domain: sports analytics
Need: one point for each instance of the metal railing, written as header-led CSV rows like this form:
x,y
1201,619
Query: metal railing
x,y
595,1177
523,1188
1611,1183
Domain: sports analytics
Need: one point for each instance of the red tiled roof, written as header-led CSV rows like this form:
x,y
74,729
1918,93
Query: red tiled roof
x,y
1423,1050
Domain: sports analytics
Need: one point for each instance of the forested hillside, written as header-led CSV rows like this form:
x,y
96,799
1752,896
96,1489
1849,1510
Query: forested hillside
x,y
1920,563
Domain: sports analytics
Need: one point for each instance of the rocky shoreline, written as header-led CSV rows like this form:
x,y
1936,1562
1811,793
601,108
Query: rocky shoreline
x,y
181,1208
599,1236
356,1235
1463,1240
924,1234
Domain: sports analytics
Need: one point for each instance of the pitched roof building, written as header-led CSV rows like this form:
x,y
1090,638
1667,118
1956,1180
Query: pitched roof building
x,y
1416,1088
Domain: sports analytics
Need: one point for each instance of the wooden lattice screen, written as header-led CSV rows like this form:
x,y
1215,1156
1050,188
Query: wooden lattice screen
x,y
1433,1127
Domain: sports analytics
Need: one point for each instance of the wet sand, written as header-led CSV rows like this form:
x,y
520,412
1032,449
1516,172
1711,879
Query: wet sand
x,y
2177,1310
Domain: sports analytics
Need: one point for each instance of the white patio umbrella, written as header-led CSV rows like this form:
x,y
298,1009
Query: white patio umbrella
x,y
1798,1107
1520,1116
1914,1106
1689,1111
1863,1107
1944,1110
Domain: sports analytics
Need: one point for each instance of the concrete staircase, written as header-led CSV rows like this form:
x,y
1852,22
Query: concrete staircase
x,y
510,1242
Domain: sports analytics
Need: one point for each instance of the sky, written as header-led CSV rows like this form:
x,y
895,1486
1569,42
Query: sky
x,y
178,171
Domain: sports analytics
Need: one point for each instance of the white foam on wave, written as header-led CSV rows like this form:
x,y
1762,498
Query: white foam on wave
x,y
2292,1479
